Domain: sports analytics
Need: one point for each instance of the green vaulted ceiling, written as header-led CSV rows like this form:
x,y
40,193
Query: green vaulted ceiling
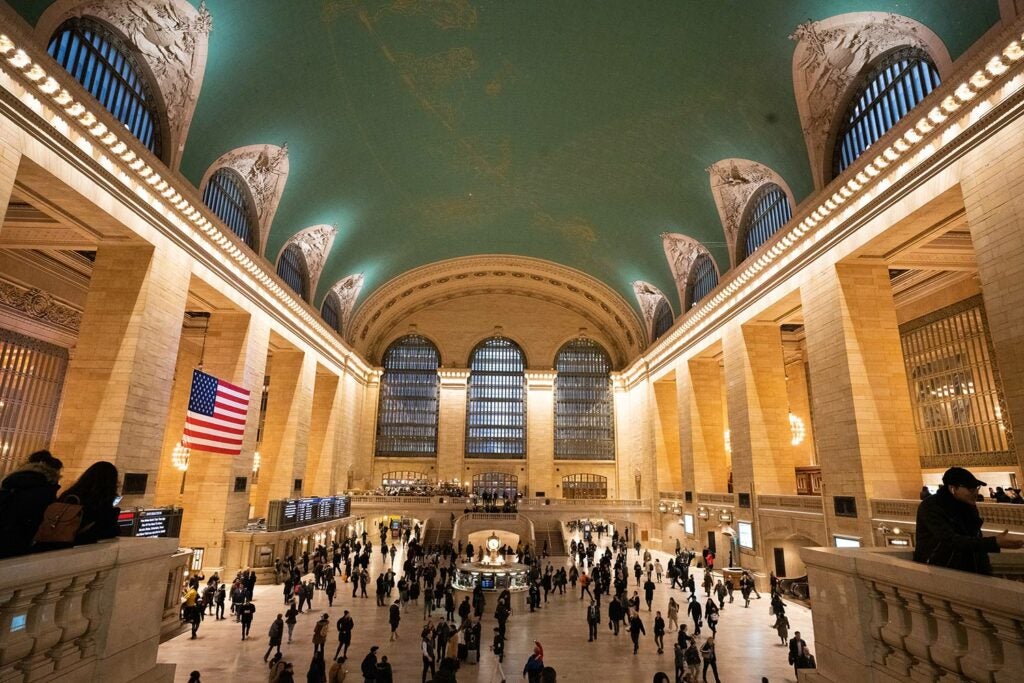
x,y
571,131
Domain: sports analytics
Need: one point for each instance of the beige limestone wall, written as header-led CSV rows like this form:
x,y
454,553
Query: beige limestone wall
x,y
704,462
540,430
669,476
798,394
324,434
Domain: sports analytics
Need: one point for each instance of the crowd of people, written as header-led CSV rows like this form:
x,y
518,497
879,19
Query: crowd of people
x,y
36,514
422,489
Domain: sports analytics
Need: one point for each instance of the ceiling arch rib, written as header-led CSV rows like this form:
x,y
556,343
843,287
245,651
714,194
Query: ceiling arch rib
x,y
315,244
381,317
733,183
264,168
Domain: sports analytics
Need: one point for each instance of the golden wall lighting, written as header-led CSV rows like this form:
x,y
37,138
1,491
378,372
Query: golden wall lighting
x,y
796,425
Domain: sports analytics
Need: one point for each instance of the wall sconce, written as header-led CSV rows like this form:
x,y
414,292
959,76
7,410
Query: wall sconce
x,y
725,516
676,509
662,507
796,426
703,513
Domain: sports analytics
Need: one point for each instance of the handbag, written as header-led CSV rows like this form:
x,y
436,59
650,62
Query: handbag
x,y
61,522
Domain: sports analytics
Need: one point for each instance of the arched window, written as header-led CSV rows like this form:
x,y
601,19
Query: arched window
x,y
496,409
105,65
407,416
330,313
771,210
703,279
585,486
662,318
228,197
496,484
292,269
892,87
584,419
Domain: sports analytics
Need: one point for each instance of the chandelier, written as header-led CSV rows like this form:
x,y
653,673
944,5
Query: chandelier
x,y
796,425
180,456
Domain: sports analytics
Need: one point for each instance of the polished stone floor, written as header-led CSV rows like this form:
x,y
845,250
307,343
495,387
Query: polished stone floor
x,y
748,648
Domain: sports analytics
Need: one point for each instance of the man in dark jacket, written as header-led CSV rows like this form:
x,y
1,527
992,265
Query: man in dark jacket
x,y
24,497
369,666
949,527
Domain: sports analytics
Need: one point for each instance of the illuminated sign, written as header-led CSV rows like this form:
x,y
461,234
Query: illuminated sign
x,y
846,542
746,531
688,523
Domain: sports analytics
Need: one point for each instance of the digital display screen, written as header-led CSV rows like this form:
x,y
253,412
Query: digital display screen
x,y
746,532
688,523
296,512
150,522
18,622
487,581
126,523
153,523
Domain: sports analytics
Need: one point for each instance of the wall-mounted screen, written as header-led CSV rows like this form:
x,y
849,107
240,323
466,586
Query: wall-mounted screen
x,y
746,534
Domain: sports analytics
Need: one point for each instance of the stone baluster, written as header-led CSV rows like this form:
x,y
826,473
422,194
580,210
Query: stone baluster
x,y
895,629
43,629
983,648
16,641
921,637
1010,633
91,610
70,617
879,618
950,636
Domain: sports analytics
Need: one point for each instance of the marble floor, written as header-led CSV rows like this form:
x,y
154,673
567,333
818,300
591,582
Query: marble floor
x,y
748,648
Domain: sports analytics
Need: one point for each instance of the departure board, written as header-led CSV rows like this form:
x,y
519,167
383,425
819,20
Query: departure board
x,y
297,512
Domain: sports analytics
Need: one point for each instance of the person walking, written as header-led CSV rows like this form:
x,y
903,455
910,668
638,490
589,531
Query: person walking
x,y
247,610
614,615
593,619
338,672
636,627
427,651
368,667
695,613
394,618
535,664
782,627
673,614
276,633
290,619
345,625
320,632
692,657
659,632
649,592
707,651
797,652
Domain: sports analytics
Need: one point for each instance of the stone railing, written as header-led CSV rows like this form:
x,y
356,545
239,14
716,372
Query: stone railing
x,y
879,617
533,503
88,613
433,501
997,516
803,504
492,516
717,498
671,495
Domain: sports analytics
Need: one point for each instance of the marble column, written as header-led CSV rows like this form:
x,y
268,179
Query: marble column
x,y
451,427
540,432
705,467
117,389
324,434
864,428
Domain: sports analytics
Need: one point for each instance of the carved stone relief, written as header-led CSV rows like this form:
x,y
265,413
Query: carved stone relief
x,y
171,37
733,183
265,171
39,305
648,296
829,56
315,244
347,290
682,251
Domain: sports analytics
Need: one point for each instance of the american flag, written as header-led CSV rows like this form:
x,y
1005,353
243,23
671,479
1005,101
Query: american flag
x,y
216,415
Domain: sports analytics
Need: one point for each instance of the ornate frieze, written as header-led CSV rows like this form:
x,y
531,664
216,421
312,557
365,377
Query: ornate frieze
x,y
831,54
39,305
171,36
681,252
733,183
315,244
648,296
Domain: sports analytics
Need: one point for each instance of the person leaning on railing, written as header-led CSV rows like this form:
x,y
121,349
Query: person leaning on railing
x,y
949,527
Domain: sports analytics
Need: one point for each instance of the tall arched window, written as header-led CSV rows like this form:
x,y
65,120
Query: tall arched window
x,y
703,279
407,415
496,409
330,313
892,87
771,210
105,65
584,418
228,197
662,318
292,269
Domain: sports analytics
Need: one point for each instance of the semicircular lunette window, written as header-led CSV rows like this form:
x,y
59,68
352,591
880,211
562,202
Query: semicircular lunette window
x,y
292,270
496,405
409,394
662,319
103,63
330,313
771,211
892,87
703,280
227,196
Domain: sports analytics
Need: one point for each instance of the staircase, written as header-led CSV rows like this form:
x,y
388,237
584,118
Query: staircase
x,y
437,531
552,533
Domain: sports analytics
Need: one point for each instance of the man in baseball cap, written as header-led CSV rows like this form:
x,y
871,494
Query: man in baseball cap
x,y
949,527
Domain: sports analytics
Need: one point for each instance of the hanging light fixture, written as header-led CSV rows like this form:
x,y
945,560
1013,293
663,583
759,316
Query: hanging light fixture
x,y
180,456
796,425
